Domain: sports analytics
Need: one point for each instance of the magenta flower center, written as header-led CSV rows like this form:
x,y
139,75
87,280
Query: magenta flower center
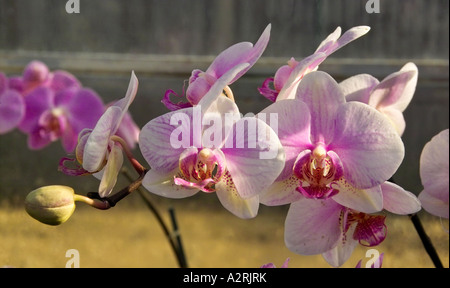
x,y
316,173
52,124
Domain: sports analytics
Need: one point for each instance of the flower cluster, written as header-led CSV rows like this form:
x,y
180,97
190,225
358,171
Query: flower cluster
x,y
325,148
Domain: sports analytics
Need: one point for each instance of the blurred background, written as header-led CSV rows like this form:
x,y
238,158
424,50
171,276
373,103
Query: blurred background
x,y
163,41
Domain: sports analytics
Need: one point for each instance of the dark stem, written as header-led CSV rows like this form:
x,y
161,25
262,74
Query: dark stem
x,y
178,237
426,241
176,249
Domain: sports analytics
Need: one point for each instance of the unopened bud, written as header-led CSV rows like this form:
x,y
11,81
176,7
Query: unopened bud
x,y
51,205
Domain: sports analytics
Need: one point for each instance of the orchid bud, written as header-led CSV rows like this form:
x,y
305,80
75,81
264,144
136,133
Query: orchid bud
x,y
35,72
51,205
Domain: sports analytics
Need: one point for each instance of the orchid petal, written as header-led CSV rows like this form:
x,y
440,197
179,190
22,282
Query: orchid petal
x,y
38,101
312,226
162,184
399,201
358,87
281,192
323,96
303,67
84,109
293,124
397,89
396,118
12,110
125,102
364,200
155,139
128,130
243,52
253,165
98,141
62,80
111,170
338,255
233,202
367,144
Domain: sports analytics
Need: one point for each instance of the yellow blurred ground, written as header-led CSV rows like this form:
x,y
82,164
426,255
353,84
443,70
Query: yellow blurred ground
x,y
129,236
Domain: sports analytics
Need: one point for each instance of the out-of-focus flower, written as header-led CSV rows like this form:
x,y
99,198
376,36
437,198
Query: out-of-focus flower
x,y
271,265
230,165
435,176
287,77
51,115
201,82
391,96
12,106
99,150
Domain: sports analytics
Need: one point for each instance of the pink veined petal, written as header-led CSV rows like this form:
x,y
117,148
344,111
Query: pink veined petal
x,y
129,131
312,226
256,158
397,89
434,166
434,171
233,202
368,200
219,85
12,110
97,144
164,138
399,201
349,35
38,101
162,184
328,42
371,231
391,90
367,144
111,171
338,255
433,205
125,102
293,123
396,118
358,87
281,192
301,69
243,52
323,96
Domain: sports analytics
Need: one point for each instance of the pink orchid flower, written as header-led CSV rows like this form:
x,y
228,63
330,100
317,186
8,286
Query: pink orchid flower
x,y
334,148
12,106
391,96
271,265
51,115
99,150
237,173
434,175
201,82
287,77
37,74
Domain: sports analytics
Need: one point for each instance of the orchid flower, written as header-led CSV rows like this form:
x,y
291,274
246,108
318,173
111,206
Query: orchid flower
x,y
99,150
228,165
434,175
287,77
12,106
271,265
334,148
201,82
37,74
51,115
391,96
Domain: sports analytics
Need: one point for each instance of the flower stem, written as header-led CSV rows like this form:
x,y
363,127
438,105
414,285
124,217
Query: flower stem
x,y
426,241
177,249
